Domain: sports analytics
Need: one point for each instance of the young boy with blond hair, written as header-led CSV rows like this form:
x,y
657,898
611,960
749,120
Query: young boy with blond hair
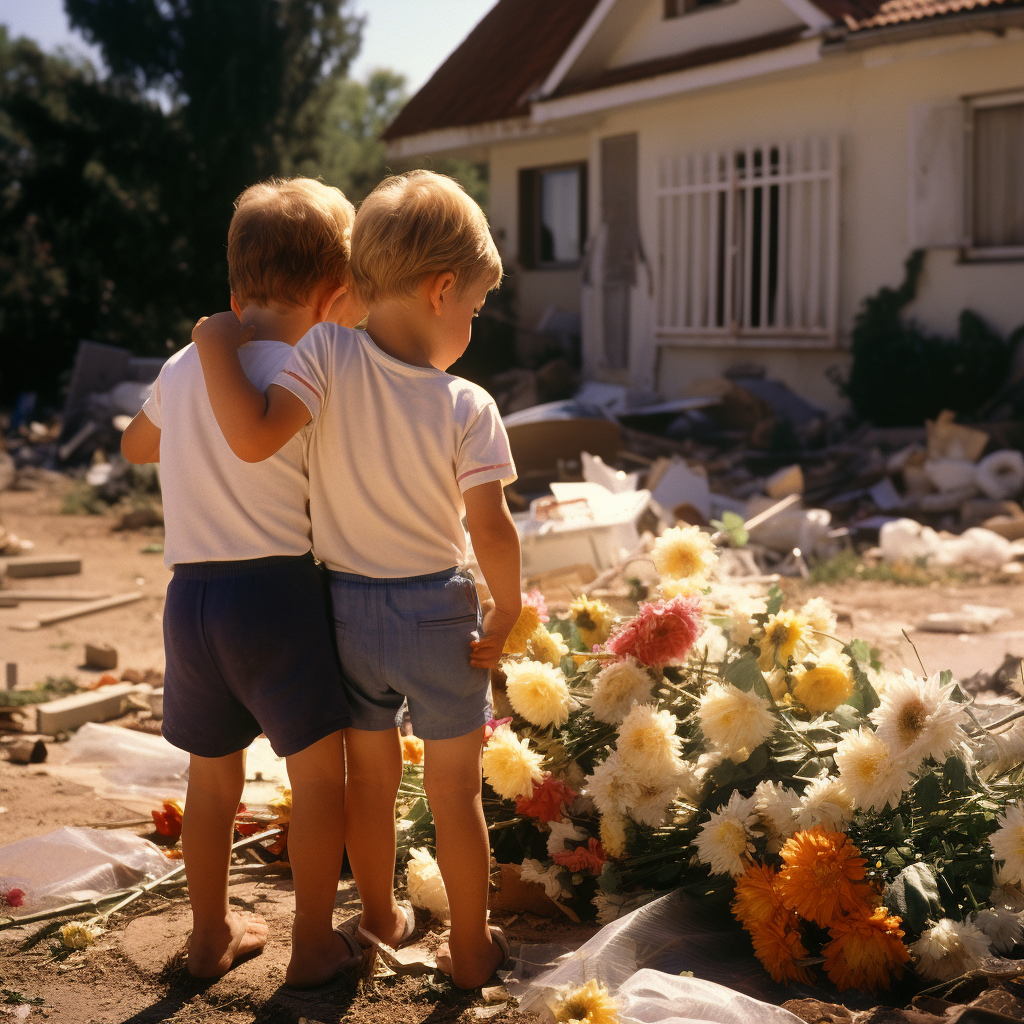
x,y
247,633
399,453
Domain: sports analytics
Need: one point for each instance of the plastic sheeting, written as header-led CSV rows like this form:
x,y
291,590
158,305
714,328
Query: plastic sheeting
x,y
74,864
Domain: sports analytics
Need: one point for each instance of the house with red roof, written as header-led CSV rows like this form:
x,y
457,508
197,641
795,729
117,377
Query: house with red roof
x,y
708,182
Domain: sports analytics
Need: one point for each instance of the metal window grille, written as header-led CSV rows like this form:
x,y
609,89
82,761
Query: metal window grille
x,y
748,244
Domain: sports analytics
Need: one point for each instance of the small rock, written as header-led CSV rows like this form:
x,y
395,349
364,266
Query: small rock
x,y
486,1012
100,656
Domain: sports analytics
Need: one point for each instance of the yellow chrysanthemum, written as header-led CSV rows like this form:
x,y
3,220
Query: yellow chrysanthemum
x,y
412,750
648,744
826,684
613,835
786,635
617,687
683,588
823,876
684,553
538,692
281,805
510,766
819,615
547,647
594,619
778,946
866,948
757,900
589,1004
77,935
528,621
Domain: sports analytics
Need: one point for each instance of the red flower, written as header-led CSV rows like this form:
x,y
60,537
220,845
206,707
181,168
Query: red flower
x,y
662,632
168,820
12,898
548,800
584,858
536,599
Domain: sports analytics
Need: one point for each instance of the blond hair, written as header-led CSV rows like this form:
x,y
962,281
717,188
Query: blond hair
x,y
289,240
414,225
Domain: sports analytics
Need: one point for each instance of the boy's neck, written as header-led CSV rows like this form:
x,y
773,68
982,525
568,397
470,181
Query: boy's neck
x,y
279,323
395,331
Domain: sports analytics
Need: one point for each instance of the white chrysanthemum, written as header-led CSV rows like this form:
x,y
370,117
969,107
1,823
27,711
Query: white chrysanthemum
x,y
561,833
610,907
425,885
776,807
881,679
949,950
873,777
918,717
712,644
538,692
617,687
1002,927
778,683
612,789
741,610
648,744
510,766
819,616
735,721
725,840
78,935
650,806
1007,843
553,878
1005,894
547,647
684,553
706,764
825,802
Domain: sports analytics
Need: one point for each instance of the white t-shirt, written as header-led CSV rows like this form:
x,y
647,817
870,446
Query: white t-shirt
x,y
218,508
392,449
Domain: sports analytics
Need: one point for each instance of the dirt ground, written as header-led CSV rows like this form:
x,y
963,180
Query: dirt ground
x,y
132,974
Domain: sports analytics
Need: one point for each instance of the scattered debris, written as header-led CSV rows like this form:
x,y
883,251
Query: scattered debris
x,y
83,609
68,713
29,566
26,751
100,656
972,618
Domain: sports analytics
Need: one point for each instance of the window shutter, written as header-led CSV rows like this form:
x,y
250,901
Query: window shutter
x,y
527,219
937,185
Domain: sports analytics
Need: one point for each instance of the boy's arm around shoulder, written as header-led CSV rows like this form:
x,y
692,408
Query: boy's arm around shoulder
x,y
255,425
496,546
140,442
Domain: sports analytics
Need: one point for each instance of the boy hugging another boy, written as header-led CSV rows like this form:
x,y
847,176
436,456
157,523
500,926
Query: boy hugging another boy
x,y
247,634
399,453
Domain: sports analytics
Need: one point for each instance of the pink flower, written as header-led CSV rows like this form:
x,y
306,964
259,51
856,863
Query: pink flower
x,y
661,633
12,898
548,800
536,598
494,723
584,858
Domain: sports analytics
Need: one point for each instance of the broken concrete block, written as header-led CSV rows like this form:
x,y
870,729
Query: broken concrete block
x,y
1001,474
679,483
26,752
68,713
789,480
25,566
100,656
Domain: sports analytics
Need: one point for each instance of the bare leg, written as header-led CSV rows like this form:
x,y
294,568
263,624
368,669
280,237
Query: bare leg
x,y
374,775
316,845
452,778
219,936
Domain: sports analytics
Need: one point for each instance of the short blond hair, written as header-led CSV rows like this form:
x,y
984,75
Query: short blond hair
x,y
417,224
290,239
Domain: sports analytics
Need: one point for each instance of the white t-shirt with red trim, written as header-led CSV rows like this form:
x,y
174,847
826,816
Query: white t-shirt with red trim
x,y
392,450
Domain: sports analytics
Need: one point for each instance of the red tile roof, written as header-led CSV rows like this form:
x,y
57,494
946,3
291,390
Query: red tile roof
x,y
496,68
505,59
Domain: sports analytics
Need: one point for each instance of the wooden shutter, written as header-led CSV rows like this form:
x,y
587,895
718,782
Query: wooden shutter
x,y
937,186
528,219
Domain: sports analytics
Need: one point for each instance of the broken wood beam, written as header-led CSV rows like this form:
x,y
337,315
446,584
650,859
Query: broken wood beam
x,y
26,566
83,609
54,595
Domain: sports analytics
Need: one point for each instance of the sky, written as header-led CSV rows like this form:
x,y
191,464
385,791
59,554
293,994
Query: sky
x,y
412,37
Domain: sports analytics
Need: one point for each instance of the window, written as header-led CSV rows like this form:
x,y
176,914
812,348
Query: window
x,y
552,215
996,202
676,8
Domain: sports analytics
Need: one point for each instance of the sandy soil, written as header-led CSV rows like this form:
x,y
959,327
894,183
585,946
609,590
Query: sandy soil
x,y
131,974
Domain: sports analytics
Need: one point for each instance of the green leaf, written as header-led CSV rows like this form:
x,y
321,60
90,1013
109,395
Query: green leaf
x,y
847,717
609,880
864,698
744,673
419,811
775,599
732,524
914,895
725,774
757,762
928,792
945,677
955,774
668,871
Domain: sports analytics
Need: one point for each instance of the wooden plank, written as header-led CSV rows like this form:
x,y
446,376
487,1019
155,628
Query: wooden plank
x,y
54,595
83,609
25,566
832,300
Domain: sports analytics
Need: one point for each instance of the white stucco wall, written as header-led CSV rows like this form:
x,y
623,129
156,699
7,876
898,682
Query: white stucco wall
x,y
865,98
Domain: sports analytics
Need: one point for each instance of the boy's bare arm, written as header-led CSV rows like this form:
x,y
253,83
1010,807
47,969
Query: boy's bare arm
x,y
140,442
496,545
254,425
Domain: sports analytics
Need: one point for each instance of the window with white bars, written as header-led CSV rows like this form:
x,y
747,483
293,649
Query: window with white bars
x,y
748,244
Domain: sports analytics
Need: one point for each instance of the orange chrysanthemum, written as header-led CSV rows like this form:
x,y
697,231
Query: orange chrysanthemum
x,y
412,750
823,876
865,949
757,899
778,946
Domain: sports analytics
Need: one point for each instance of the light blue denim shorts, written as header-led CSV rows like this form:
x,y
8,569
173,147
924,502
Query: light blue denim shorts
x,y
408,640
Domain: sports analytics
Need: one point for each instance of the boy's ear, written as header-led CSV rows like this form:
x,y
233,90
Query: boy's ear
x,y
441,287
327,298
236,306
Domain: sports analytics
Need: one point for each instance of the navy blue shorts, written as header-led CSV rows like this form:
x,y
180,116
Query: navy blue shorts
x,y
250,649
408,639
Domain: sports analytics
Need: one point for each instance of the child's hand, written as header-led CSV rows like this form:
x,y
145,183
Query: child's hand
x,y
222,329
486,652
